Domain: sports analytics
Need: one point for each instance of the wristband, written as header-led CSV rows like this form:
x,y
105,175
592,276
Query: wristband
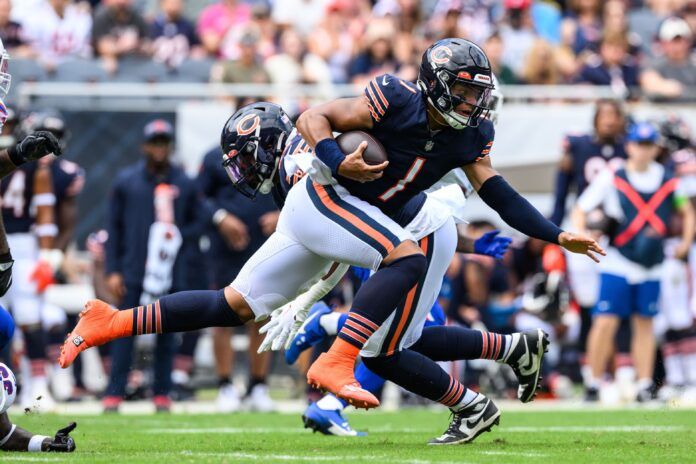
x,y
35,443
330,154
16,158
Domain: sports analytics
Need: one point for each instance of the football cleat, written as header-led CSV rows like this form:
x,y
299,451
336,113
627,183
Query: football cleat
x,y
259,399
111,403
227,399
333,372
525,358
93,329
328,422
591,394
309,334
162,403
470,422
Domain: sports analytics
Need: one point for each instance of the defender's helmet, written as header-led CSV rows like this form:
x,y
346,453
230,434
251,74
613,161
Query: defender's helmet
x,y
252,142
449,68
5,77
676,133
8,388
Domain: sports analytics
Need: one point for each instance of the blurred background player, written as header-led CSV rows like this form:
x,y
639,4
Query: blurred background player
x,y
584,157
152,219
676,321
641,198
237,228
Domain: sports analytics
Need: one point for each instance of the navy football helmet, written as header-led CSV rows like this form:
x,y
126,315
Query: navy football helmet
x,y
252,142
45,120
451,68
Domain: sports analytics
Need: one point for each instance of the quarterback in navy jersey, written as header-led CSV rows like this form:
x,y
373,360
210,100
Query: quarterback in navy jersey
x,y
427,131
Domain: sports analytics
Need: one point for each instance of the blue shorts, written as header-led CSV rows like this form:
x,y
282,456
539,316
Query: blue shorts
x,y
619,298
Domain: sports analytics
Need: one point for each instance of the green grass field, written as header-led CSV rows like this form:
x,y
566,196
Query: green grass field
x,y
643,436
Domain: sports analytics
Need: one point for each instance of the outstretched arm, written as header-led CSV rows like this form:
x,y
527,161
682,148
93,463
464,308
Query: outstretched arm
x,y
316,125
518,213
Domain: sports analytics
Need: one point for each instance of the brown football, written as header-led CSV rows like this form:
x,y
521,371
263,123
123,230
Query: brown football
x,y
373,154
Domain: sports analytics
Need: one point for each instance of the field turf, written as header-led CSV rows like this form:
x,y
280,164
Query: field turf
x,y
548,436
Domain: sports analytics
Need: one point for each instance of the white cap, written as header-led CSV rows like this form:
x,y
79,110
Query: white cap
x,y
674,27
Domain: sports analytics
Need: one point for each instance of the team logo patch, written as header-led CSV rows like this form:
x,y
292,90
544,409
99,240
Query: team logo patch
x,y
464,75
77,341
441,55
248,124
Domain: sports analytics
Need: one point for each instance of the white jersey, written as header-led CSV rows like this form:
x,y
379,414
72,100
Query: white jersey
x,y
57,38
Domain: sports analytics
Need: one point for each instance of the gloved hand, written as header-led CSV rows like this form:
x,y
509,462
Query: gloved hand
x,y
63,442
278,329
35,146
490,245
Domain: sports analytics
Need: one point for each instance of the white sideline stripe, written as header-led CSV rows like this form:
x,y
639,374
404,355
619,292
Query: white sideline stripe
x,y
9,458
315,458
518,429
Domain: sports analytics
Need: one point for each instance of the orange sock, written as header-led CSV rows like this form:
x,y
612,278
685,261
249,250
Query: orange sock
x,y
342,347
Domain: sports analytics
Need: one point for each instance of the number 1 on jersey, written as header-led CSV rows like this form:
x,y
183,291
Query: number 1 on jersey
x,y
401,184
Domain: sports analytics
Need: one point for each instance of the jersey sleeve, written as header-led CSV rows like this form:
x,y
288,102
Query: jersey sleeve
x,y
487,132
385,95
595,194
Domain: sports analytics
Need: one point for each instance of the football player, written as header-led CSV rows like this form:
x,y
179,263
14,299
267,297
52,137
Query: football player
x,y
13,438
323,222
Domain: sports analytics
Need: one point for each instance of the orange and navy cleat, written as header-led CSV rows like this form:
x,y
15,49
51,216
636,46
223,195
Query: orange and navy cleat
x,y
333,371
97,325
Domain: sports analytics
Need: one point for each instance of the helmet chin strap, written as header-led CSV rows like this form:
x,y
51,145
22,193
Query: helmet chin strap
x,y
453,121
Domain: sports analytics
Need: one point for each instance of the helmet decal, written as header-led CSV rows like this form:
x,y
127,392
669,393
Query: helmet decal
x,y
441,55
255,121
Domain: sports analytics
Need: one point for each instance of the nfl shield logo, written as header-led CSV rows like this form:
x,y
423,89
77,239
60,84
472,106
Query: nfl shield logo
x,y
429,145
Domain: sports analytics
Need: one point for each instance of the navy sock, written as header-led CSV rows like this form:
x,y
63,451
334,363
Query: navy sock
x,y
451,343
185,311
35,341
420,375
379,296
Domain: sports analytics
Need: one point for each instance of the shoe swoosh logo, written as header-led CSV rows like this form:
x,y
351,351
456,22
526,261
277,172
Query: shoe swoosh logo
x,y
527,369
384,81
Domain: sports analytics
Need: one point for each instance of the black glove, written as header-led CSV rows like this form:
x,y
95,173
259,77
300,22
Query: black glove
x,y
63,442
5,272
35,146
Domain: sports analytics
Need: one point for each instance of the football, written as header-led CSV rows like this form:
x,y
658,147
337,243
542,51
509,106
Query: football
x,y
373,154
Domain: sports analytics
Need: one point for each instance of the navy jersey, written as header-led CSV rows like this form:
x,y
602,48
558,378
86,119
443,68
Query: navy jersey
x,y
17,193
68,179
417,157
590,157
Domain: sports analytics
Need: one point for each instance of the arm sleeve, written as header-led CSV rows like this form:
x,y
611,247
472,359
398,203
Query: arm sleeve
x,y
596,193
113,246
516,211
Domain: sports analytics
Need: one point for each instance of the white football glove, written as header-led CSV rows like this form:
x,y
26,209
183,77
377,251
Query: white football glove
x,y
286,321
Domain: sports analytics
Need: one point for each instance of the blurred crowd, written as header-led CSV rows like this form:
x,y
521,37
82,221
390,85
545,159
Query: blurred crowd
x,y
634,46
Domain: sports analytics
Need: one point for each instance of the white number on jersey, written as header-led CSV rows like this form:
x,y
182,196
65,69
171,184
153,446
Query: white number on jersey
x,y
14,195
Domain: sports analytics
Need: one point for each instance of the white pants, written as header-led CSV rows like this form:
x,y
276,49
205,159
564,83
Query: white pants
x,y
317,226
22,297
404,326
675,307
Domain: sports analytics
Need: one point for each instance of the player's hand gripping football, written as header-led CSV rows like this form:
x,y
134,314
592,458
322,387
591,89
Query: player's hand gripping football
x,y
581,244
355,168
38,145
63,442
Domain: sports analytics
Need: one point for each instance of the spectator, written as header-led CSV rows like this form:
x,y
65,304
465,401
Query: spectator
x,y
616,22
11,32
540,66
517,32
689,14
581,30
673,75
613,66
333,40
152,221
494,47
58,31
294,65
218,24
645,21
248,68
173,36
377,54
267,30
299,15
118,31
473,18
